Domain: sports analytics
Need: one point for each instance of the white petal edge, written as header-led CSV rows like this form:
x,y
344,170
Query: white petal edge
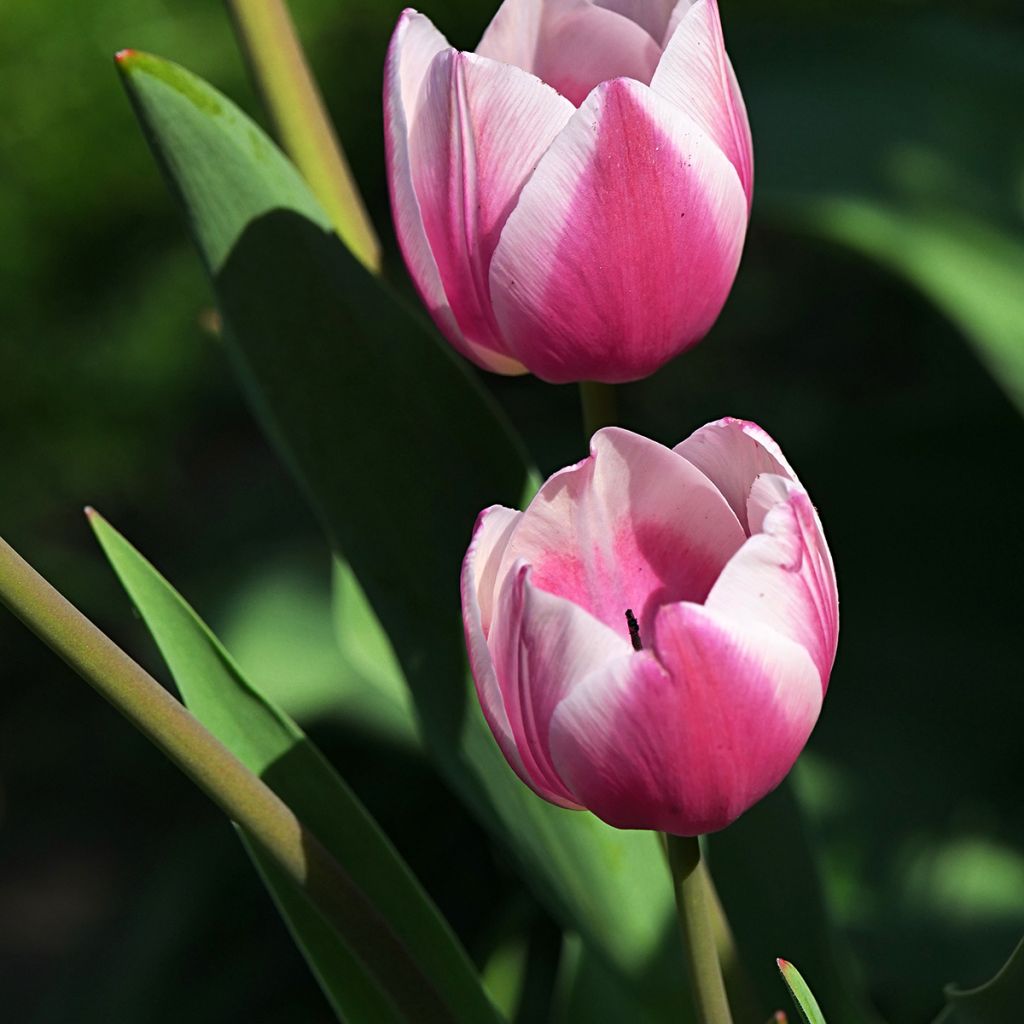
x,y
695,74
414,45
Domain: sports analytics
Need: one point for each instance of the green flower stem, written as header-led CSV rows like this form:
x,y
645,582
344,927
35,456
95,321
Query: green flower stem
x,y
237,791
296,108
600,408
690,882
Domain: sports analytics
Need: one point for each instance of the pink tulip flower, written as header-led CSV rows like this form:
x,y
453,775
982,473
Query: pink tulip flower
x,y
572,198
652,638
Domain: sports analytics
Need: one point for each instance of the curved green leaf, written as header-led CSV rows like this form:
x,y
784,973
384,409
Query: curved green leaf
x,y
1000,1001
918,174
398,449
810,1011
274,747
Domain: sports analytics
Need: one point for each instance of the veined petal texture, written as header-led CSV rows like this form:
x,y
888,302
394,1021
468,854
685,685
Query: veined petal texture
x,y
480,130
696,75
572,199
628,234
652,637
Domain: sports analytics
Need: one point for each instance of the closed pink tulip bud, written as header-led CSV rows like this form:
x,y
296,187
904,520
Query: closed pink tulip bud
x,y
572,198
652,638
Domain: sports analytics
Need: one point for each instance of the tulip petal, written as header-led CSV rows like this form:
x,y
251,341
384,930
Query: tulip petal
x,y
631,527
490,536
651,15
514,33
679,11
783,578
414,46
624,243
543,647
733,453
479,133
695,74
570,44
687,740
494,527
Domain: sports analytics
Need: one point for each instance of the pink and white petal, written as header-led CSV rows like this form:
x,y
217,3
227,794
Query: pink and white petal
x,y
543,646
744,135
480,131
783,578
588,45
766,493
494,526
481,667
766,441
514,31
651,15
679,11
624,244
733,453
571,44
695,74
631,527
477,585
414,45
686,739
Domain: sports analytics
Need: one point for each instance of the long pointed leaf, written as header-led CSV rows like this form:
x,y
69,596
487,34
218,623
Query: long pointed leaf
x,y
398,449
810,1011
274,747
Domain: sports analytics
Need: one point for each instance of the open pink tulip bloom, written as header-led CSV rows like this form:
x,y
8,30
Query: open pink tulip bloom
x,y
716,551
571,199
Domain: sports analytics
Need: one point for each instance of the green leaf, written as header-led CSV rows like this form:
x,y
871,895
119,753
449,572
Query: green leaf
x,y
398,449
271,745
368,654
504,973
802,995
588,992
1001,1001
347,670
916,174
970,270
773,900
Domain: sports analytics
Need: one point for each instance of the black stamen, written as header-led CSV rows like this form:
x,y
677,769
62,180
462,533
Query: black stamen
x,y
634,630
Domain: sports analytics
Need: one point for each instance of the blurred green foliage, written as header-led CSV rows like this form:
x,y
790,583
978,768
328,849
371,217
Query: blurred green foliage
x,y
883,259
996,1000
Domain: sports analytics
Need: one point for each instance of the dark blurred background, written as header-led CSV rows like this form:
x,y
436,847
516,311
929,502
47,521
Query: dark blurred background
x,y
876,329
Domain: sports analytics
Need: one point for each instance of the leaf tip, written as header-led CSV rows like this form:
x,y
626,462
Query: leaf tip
x,y
124,55
782,964
94,519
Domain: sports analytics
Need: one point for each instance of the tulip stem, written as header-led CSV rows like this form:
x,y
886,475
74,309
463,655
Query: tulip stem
x,y
289,91
690,882
599,406
237,791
